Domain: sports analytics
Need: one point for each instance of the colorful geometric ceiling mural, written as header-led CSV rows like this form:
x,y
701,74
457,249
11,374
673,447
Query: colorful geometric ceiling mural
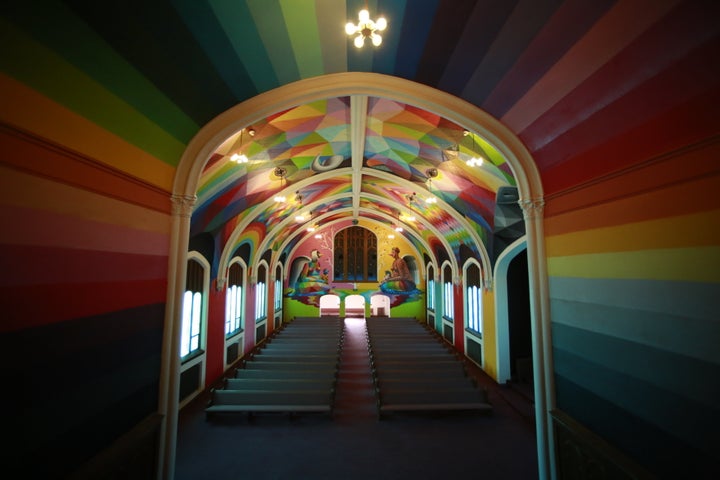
x,y
304,155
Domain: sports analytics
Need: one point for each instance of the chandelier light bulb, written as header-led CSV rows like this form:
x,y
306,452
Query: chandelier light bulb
x,y
366,28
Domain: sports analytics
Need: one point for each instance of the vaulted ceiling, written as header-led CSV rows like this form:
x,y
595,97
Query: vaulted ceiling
x,y
155,72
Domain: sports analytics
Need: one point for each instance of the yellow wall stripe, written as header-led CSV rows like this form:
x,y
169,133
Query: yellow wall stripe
x,y
695,230
699,264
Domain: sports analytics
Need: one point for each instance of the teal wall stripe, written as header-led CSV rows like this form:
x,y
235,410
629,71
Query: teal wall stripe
x,y
415,32
659,451
334,51
244,37
385,56
687,299
270,23
685,418
692,337
200,19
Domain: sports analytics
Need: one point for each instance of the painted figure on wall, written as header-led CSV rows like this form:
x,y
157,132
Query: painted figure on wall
x,y
308,277
399,280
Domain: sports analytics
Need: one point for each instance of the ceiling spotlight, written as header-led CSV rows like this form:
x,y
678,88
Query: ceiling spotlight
x,y
474,161
280,172
239,157
366,28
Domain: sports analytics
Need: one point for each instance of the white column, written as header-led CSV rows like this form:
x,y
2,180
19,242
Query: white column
x,y
182,206
541,333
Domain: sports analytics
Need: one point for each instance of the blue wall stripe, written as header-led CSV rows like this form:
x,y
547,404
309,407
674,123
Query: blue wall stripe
x,y
384,61
415,32
692,337
659,451
686,299
235,17
201,20
689,420
486,21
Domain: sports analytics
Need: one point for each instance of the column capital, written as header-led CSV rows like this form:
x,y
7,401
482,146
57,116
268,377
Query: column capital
x,y
182,205
532,208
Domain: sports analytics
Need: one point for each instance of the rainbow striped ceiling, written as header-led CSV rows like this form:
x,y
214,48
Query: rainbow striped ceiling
x,y
145,77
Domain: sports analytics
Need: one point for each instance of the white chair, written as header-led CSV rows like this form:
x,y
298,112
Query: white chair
x,y
380,306
329,305
355,306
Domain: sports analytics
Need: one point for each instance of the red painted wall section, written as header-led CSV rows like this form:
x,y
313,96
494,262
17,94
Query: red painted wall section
x,y
459,320
215,334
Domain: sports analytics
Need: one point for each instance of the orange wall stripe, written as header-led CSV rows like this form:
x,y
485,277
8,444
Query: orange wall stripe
x,y
30,111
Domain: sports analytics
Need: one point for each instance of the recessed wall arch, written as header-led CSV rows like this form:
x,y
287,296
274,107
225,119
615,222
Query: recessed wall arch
x,y
210,137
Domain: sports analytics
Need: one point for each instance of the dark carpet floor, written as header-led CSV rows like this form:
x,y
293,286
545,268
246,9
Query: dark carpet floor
x,y
354,444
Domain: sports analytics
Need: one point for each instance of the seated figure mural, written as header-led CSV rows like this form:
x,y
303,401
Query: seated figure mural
x,y
398,280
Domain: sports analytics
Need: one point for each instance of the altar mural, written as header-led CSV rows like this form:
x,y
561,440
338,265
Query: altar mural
x,y
310,277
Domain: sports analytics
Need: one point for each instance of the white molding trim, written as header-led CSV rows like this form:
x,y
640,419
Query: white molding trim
x,y
526,174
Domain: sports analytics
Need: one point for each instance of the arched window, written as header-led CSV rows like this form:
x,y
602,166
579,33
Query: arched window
x,y
278,289
193,310
235,300
430,290
448,298
473,298
261,293
355,257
